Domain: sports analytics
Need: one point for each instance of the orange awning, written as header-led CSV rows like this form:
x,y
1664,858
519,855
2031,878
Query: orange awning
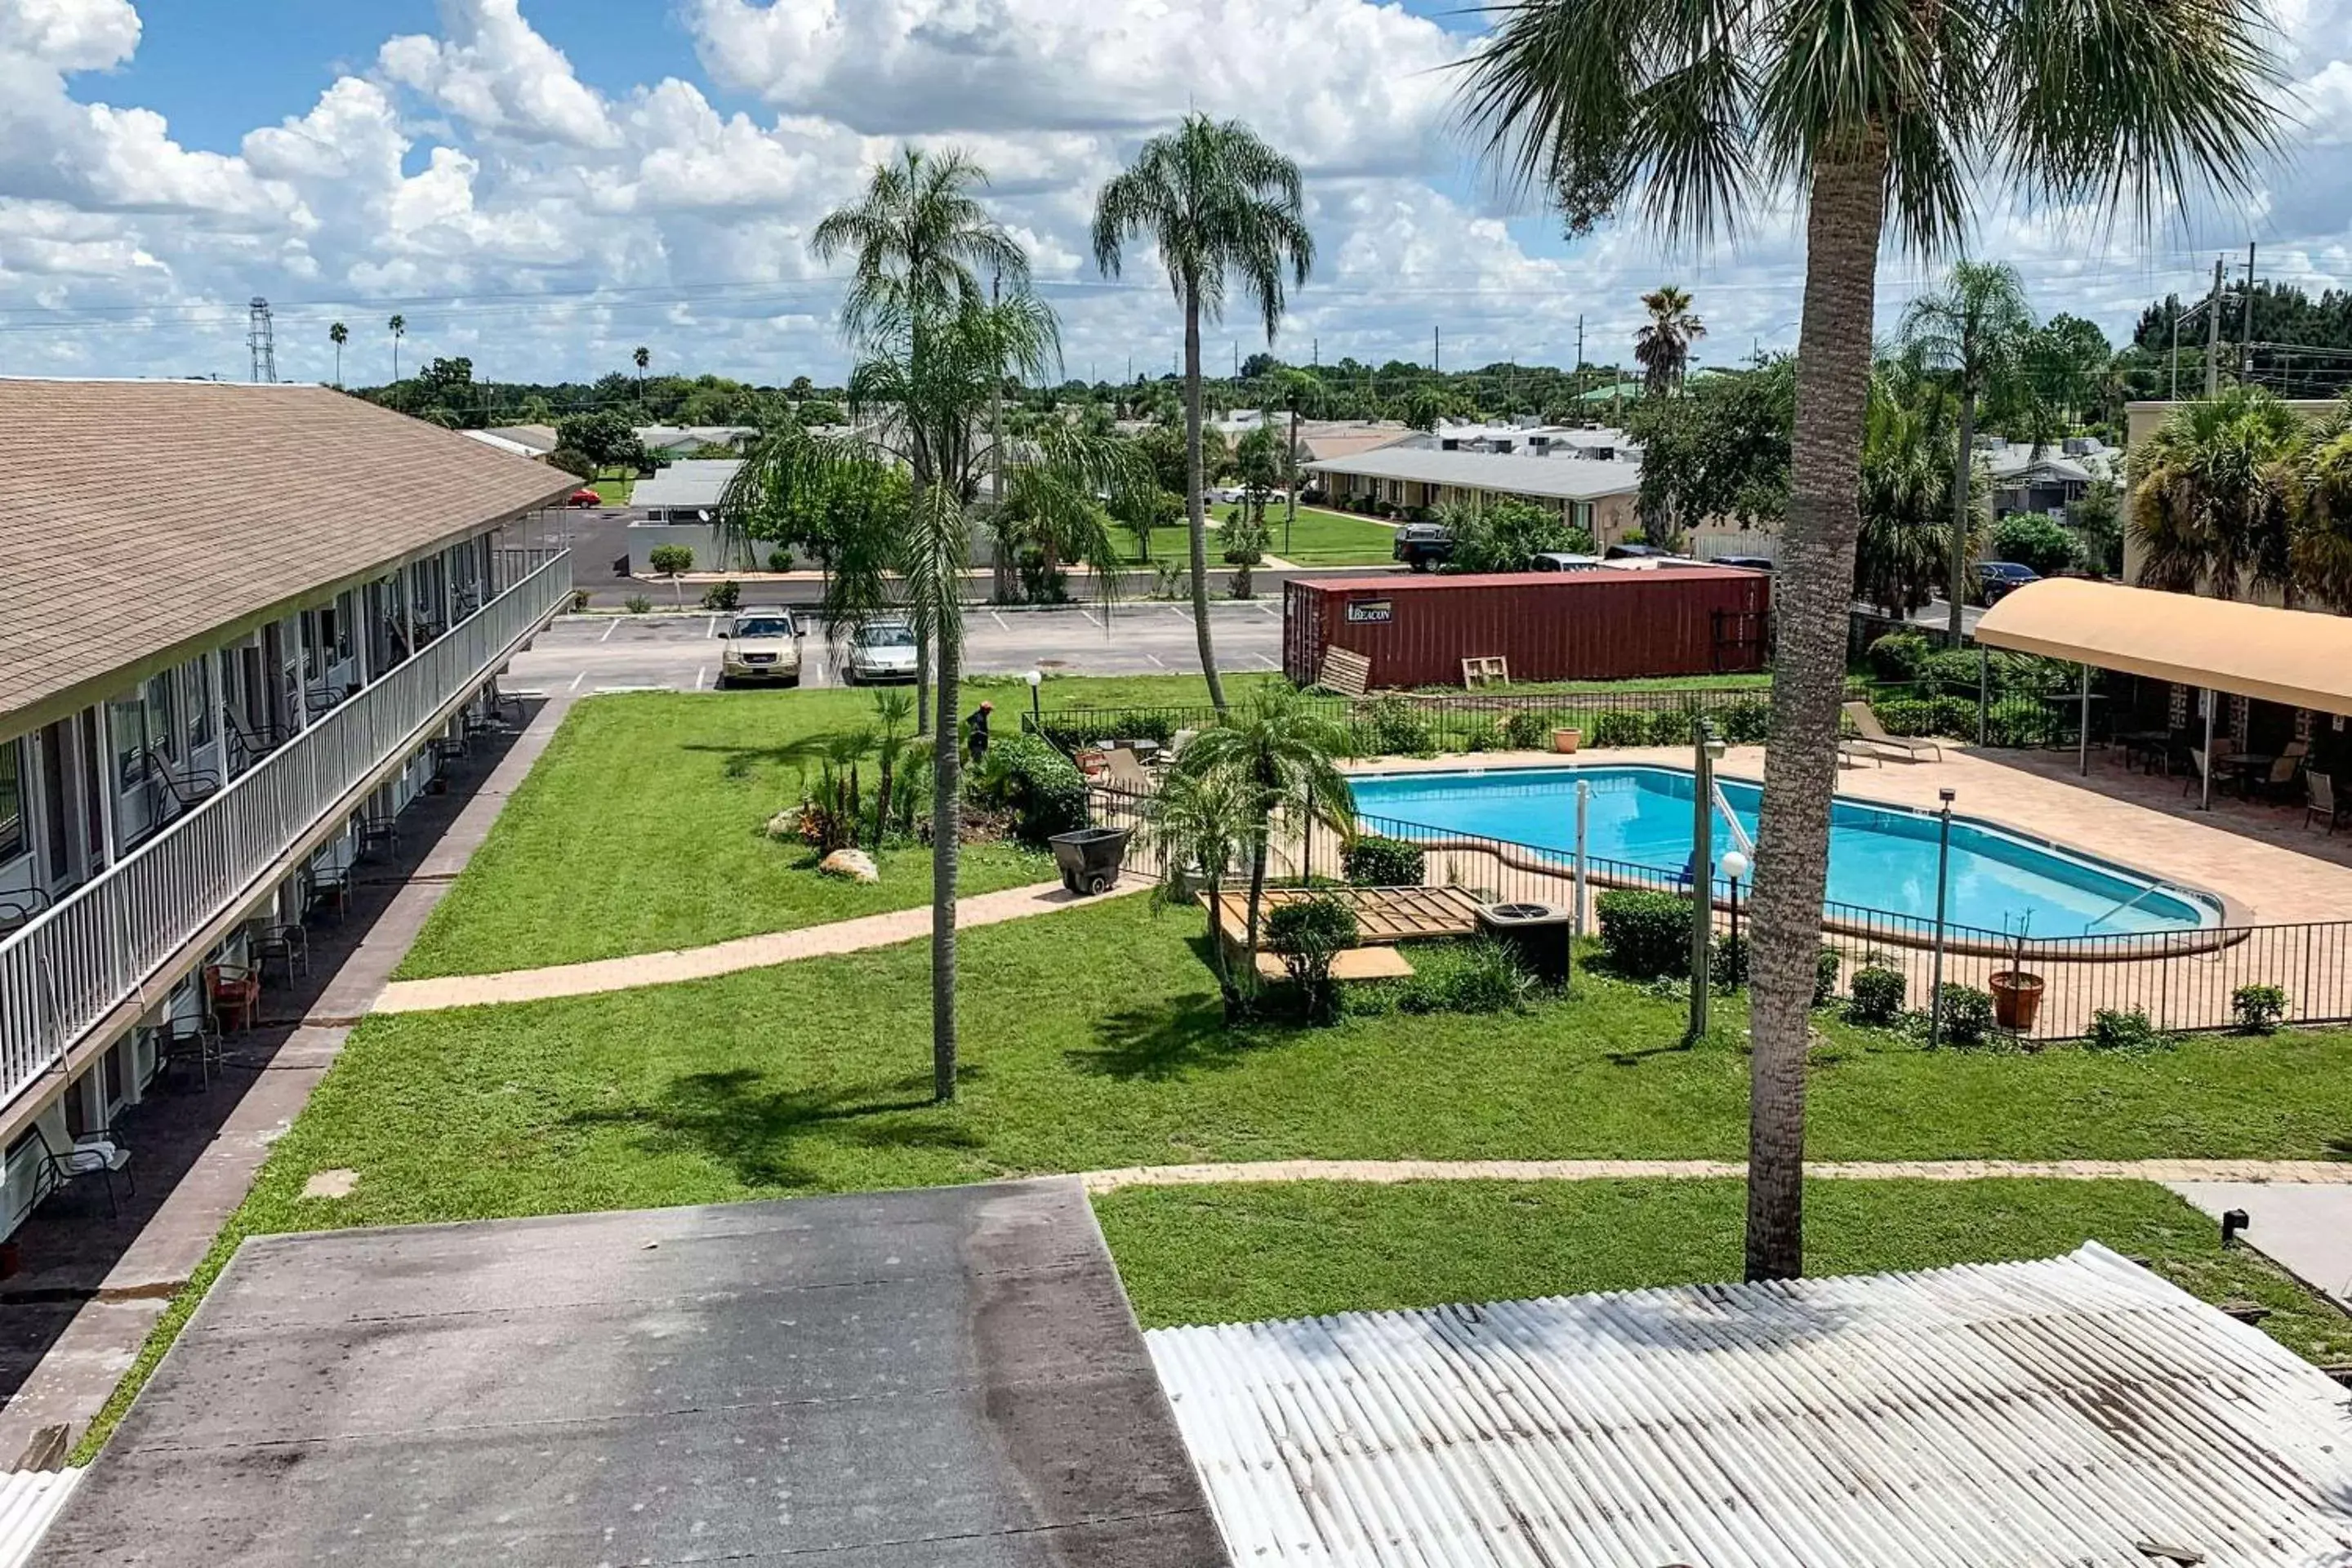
x,y
2290,656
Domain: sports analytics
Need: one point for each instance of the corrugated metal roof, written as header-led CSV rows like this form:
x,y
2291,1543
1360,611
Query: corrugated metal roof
x,y
697,481
2073,1410
29,1500
1514,473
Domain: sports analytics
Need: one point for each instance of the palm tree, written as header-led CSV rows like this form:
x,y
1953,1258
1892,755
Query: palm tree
x,y
338,334
399,325
1214,200
1663,348
934,349
643,357
1302,392
919,240
2322,552
1903,493
1278,755
1693,115
2214,506
1977,329
1200,823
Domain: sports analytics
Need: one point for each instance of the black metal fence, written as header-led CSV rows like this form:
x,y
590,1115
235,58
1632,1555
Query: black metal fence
x,y
2183,981
1410,724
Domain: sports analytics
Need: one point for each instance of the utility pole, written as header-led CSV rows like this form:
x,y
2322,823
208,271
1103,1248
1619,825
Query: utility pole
x,y
2246,331
1580,362
2213,336
1437,350
1316,354
2174,396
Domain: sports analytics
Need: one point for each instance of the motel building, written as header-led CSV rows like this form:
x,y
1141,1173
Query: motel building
x,y
240,627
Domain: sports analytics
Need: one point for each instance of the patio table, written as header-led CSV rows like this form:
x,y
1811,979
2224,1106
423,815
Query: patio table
x,y
2152,747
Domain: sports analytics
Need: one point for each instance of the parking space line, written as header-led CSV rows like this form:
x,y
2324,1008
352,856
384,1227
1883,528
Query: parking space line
x,y
699,671
578,678
712,629
1266,609
1266,662
1155,659
611,629
1088,614
999,620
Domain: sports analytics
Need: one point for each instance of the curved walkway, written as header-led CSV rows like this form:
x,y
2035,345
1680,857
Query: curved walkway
x,y
727,957
2313,1172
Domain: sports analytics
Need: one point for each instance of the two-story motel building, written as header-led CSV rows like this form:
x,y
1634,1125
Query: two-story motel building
x,y
234,620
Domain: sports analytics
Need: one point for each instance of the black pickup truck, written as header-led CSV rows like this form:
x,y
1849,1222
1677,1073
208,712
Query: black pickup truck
x,y
1422,545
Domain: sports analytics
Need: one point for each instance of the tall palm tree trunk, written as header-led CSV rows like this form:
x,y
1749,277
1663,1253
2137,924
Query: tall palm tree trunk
x,y
1962,465
923,685
1848,204
1256,899
1290,475
1196,515
947,821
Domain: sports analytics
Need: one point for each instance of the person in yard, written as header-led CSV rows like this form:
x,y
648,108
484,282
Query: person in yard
x,y
978,725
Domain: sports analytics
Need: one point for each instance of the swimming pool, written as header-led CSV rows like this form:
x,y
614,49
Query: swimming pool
x,y
1881,856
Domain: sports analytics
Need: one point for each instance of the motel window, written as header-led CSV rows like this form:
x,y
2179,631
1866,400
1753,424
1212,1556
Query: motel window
x,y
341,614
162,713
127,717
12,839
200,705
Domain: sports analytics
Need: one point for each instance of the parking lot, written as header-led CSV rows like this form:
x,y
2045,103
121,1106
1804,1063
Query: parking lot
x,y
680,652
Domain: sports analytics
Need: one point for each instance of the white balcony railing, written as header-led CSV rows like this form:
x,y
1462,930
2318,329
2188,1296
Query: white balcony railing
x,y
104,944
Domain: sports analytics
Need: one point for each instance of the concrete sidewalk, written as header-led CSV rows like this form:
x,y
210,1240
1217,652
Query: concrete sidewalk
x,y
728,957
2306,1230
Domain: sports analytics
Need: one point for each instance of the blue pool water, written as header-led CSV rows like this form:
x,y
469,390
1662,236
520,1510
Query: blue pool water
x,y
1881,857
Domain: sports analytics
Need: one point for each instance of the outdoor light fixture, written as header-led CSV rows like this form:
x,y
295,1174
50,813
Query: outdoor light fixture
x,y
1734,864
1943,874
1035,678
2233,1222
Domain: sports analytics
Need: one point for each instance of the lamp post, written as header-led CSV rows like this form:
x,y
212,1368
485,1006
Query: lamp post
x,y
1943,866
1705,756
1035,678
1735,866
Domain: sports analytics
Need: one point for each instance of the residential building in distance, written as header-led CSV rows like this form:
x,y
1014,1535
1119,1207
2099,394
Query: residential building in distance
x,y
1591,477
2045,477
538,439
675,441
227,646
679,505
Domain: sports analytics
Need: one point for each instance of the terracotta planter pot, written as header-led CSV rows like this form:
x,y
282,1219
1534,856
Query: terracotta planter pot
x,y
2016,998
1566,741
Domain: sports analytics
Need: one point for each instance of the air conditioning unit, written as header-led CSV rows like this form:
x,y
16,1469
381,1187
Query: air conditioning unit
x,y
1543,935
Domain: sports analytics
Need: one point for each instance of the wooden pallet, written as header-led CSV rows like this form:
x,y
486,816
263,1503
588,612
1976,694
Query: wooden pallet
x,y
1491,671
1347,673
1383,914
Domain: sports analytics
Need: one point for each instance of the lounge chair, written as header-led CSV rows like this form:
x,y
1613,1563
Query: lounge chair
x,y
1871,730
1851,753
1125,772
2319,801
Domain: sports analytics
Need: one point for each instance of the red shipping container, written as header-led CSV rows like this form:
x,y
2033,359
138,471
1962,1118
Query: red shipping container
x,y
1600,625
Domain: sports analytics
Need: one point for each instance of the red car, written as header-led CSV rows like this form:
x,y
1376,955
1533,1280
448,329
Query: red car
x,y
585,498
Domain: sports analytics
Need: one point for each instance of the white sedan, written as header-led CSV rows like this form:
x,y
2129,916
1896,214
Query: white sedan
x,y
879,651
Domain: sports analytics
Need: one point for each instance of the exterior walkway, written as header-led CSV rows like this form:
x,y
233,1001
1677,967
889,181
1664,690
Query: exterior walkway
x,y
728,957
2307,1231
74,1322
2255,1173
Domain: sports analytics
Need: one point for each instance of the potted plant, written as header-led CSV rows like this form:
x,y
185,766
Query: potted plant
x,y
1565,742
2016,993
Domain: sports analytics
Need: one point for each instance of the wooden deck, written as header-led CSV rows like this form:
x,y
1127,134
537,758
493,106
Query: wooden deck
x,y
1383,914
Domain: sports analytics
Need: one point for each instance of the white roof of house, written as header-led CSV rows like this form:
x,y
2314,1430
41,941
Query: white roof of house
x,y
661,437
694,482
1513,473
506,444
2076,1410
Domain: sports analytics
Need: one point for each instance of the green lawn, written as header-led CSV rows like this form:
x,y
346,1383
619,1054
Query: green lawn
x,y
640,831
1091,1039
614,485
1215,1255
1321,538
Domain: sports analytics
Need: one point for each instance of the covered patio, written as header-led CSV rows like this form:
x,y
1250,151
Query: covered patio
x,y
2222,695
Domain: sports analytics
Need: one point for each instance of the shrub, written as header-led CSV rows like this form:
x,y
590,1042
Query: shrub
x,y
1673,727
1309,933
1394,726
722,596
1967,1014
1826,964
1729,968
1620,727
2259,1009
2032,539
1952,716
1479,735
1876,995
1898,655
2124,1029
779,559
1373,861
670,560
1042,788
574,461
1528,731
638,605
1480,976
1645,934
1747,722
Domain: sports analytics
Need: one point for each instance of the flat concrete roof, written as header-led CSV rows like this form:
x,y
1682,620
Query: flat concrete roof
x,y
944,1378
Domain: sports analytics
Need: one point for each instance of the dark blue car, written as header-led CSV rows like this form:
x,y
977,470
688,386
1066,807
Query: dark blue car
x,y
1998,579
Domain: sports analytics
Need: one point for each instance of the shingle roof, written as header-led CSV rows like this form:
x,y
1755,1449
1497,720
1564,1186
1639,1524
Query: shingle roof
x,y
2076,1410
143,514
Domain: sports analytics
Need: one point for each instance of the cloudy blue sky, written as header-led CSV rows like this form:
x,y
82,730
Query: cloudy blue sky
x,y
543,185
